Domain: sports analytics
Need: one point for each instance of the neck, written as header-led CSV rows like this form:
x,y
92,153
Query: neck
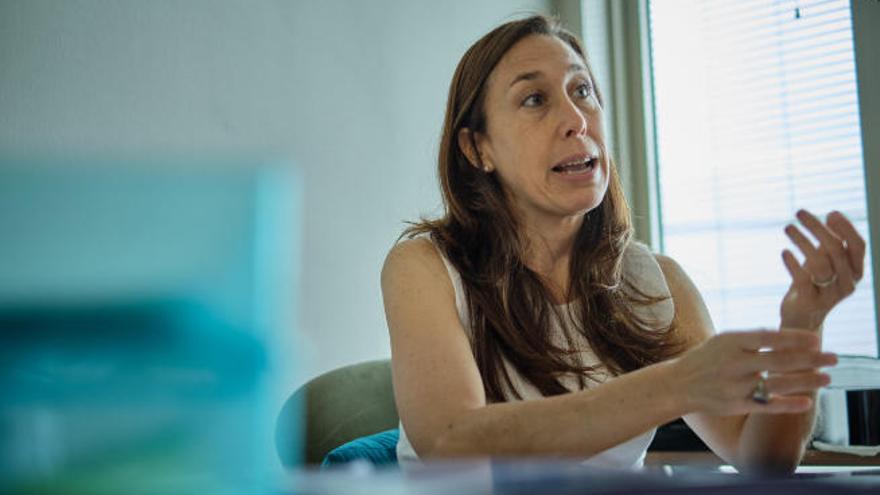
x,y
549,243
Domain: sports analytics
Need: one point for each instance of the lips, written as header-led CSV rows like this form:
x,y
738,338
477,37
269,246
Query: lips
x,y
578,164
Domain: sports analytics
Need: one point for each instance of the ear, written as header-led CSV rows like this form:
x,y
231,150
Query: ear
x,y
467,142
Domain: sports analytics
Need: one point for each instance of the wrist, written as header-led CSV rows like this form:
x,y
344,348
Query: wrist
x,y
811,322
676,388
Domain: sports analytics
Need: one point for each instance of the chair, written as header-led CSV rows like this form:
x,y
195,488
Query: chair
x,y
338,406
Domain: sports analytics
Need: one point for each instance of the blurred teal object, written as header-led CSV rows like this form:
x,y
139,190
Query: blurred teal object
x,y
379,449
144,305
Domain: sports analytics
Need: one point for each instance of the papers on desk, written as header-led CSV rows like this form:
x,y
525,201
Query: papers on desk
x,y
727,469
859,450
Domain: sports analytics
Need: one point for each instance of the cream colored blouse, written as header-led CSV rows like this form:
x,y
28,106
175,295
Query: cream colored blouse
x,y
639,264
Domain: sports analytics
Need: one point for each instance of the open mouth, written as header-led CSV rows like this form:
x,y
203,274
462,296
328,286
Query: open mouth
x,y
577,167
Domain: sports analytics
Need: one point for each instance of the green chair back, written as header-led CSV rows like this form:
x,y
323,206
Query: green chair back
x,y
338,406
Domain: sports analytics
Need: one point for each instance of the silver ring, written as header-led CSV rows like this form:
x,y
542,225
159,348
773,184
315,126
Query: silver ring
x,y
760,394
824,283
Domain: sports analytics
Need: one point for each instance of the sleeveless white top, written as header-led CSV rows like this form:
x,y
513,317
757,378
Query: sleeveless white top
x,y
638,264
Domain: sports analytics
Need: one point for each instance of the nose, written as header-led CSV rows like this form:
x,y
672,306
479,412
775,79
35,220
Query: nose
x,y
572,119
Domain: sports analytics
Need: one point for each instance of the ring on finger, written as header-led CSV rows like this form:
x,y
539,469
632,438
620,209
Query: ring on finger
x,y
821,284
760,393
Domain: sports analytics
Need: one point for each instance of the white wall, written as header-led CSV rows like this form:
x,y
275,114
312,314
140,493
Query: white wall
x,y
352,91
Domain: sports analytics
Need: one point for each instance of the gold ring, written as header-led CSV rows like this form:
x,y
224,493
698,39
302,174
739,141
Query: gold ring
x,y
824,283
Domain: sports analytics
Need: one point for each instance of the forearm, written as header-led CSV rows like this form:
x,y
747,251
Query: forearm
x,y
775,443
579,424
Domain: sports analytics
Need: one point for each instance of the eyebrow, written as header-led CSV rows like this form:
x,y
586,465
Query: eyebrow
x,y
530,76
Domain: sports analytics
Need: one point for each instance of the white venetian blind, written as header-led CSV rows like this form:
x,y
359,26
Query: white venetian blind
x,y
756,115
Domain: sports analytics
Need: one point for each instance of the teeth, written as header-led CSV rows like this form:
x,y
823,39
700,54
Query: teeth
x,y
575,166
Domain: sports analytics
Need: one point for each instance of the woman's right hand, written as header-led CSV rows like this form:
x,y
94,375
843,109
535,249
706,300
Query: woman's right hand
x,y
719,375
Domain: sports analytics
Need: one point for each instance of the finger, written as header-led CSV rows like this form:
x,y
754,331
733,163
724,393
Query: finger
x,y
815,226
855,244
756,340
782,404
786,361
798,274
795,383
816,262
801,241
830,244
840,258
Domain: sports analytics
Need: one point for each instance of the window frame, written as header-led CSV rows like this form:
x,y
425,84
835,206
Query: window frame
x,y
632,125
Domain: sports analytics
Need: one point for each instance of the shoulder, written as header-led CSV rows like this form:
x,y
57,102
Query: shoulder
x,y
414,263
674,274
640,260
411,254
643,269
677,282
646,285
668,265
639,253
418,250
691,312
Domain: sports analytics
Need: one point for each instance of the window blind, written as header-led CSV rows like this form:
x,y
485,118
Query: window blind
x,y
756,114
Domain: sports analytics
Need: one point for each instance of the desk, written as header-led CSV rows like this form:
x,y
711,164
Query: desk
x,y
563,477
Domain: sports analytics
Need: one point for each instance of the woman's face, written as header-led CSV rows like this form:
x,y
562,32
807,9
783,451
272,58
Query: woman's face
x,y
544,134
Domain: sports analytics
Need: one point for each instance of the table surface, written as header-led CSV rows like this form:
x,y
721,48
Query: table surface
x,y
706,458
698,475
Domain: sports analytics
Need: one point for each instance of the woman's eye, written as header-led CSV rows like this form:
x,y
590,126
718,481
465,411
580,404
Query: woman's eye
x,y
583,91
533,100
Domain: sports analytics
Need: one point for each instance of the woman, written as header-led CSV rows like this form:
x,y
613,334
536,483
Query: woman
x,y
525,322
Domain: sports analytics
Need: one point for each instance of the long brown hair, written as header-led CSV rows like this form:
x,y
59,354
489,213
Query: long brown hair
x,y
510,307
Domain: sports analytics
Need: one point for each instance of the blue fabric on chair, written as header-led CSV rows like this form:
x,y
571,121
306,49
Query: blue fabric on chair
x,y
379,449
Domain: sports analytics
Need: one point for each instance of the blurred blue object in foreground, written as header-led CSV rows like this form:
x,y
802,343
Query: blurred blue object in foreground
x,y
143,309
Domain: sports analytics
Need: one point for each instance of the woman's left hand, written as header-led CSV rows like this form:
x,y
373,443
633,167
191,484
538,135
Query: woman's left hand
x,y
829,272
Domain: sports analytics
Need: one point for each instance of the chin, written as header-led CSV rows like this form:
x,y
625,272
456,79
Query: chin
x,y
579,209
589,203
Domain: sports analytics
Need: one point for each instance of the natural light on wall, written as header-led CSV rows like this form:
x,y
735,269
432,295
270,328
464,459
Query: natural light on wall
x,y
756,115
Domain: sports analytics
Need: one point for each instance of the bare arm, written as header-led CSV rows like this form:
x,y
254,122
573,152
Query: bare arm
x,y
756,441
829,273
440,395
442,403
